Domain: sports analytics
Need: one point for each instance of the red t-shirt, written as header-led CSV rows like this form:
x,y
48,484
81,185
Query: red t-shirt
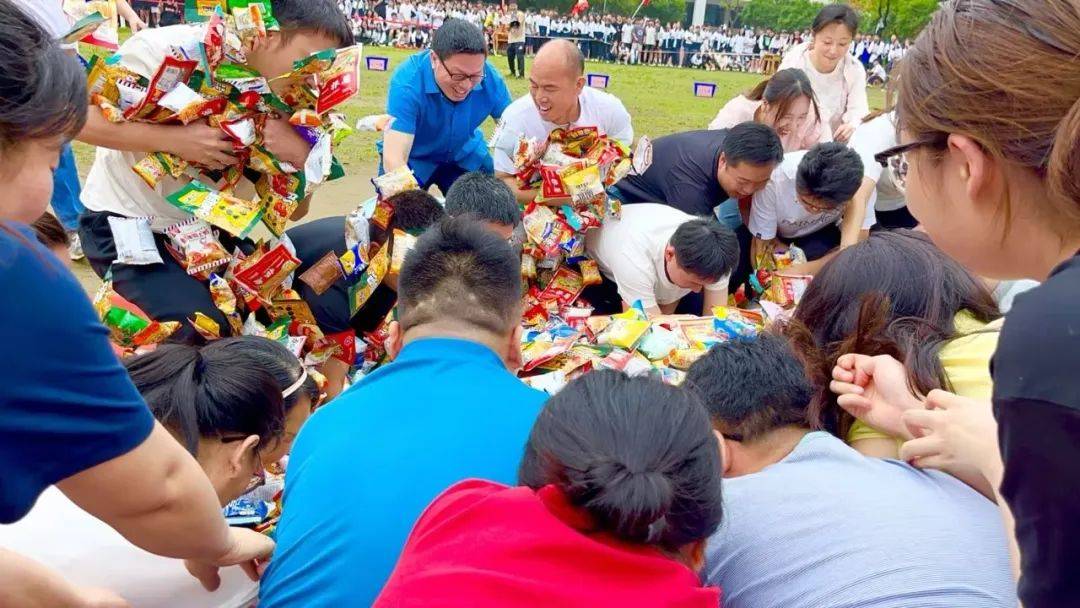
x,y
483,544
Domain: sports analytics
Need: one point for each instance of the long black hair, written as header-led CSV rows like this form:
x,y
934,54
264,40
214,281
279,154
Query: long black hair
x,y
42,88
273,357
783,89
894,294
213,391
636,454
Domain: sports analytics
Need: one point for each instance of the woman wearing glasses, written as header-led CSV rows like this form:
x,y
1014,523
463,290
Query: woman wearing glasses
x,y
234,404
991,159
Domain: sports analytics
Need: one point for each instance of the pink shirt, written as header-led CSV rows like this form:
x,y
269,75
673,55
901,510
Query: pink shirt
x,y
741,109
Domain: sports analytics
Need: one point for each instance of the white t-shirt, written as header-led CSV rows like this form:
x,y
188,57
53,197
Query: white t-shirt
x,y
521,118
776,210
650,35
112,185
87,552
870,138
627,33
630,251
50,15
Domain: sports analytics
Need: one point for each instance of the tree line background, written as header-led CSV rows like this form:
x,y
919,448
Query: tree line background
x,y
903,18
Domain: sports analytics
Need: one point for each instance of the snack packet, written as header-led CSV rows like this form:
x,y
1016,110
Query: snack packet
x,y
323,273
205,326
361,291
265,274
354,261
382,214
173,71
197,248
563,289
357,230
403,242
341,81
277,213
305,118
157,165
624,333
392,182
225,301
296,309
134,241
590,272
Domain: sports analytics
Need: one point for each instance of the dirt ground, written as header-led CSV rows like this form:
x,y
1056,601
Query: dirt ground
x,y
335,198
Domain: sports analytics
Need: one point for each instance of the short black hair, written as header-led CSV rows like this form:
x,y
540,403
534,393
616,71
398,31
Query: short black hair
x,y
484,197
836,13
215,390
636,454
458,36
830,172
752,387
321,16
50,232
414,212
705,248
754,143
461,272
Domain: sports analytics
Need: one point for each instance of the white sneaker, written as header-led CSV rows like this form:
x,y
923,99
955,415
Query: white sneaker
x,y
75,248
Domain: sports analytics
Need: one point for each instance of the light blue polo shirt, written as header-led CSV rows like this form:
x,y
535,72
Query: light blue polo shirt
x,y
365,466
444,132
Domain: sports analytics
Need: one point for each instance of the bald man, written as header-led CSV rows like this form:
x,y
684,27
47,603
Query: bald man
x,y
557,97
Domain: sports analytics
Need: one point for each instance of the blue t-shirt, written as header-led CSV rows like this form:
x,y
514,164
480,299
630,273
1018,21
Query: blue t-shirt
x,y
365,466
827,526
444,131
66,403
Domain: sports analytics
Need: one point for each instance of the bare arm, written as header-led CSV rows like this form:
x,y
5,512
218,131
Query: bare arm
x,y
851,230
129,15
396,148
523,196
714,298
24,583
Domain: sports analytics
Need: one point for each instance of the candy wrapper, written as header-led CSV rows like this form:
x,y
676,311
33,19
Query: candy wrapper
x,y
375,122
403,242
134,241
234,215
341,81
205,326
357,230
197,249
564,288
390,183
323,273
265,274
353,262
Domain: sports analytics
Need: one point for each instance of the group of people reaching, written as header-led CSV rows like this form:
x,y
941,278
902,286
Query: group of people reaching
x,y
864,452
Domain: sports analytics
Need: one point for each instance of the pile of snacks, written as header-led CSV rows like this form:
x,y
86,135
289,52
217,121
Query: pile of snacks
x,y
772,289
571,171
574,342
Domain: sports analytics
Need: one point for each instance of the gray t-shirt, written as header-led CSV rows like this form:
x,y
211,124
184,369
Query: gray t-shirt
x,y
828,527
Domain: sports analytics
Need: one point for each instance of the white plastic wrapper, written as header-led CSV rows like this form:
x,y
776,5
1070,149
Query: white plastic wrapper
x,y
134,241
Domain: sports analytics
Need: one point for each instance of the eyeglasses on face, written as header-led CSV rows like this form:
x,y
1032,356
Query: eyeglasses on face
x,y
462,77
896,159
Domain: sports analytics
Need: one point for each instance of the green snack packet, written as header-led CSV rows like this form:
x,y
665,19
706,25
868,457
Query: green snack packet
x,y
124,325
201,10
190,197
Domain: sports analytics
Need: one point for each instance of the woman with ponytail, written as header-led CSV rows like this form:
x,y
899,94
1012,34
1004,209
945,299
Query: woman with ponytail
x,y
990,153
785,101
233,404
620,488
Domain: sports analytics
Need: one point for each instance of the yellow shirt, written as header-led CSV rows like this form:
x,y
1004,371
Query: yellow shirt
x,y
966,361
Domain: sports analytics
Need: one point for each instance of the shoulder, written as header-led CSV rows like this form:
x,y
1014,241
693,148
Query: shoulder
x,y
605,102
519,111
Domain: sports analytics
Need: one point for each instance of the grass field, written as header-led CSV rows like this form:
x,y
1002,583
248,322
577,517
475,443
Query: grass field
x,y
659,99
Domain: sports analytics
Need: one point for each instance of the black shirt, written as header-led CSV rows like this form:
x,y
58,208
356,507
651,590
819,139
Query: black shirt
x,y
682,174
1036,372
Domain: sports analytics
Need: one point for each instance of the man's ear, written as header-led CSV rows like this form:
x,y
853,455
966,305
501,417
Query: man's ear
x,y
725,454
513,350
580,83
395,340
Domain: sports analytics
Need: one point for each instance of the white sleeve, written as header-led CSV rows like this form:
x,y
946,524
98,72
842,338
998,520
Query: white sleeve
x,y
504,141
623,129
871,213
763,213
858,106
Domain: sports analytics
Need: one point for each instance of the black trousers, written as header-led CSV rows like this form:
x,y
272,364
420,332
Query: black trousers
x,y
515,56
815,245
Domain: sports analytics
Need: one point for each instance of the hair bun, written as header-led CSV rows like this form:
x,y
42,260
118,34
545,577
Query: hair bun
x,y
633,503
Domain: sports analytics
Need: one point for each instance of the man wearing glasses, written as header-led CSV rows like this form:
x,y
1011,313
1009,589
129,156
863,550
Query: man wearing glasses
x,y
438,99
807,203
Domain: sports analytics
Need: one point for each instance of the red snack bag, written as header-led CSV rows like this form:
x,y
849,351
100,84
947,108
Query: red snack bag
x,y
563,289
346,343
264,275
171,72
551,183
341,81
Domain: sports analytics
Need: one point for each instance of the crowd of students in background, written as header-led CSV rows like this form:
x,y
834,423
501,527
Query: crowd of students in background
x,y
606,37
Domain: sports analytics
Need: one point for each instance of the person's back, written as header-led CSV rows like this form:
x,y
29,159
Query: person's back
x,y
444,410
809,522
827,526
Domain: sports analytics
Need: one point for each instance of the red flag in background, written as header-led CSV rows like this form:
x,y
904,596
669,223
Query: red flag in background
x,y
580,7
644,2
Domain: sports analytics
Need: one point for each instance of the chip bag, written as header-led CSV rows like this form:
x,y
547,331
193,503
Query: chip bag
x,y
197,249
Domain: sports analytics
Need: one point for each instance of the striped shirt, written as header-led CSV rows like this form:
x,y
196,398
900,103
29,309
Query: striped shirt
x,y
827,526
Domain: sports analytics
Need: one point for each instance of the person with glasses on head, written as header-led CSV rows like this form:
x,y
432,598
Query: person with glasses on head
x,y
438,99
810,522
233,404
807,203
992,150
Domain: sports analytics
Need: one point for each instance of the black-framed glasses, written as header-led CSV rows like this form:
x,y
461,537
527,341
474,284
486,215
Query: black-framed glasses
x,y
896,161
459,77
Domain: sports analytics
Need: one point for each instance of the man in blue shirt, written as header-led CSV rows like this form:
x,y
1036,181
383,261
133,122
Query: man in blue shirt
x,y
447,408
438,99
809,522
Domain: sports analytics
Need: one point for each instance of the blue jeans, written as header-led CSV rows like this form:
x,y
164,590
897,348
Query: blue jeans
x,y
728,214
66,190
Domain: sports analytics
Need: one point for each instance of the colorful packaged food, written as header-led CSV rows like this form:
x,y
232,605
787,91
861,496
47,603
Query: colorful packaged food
x,y
323,273
541,353
296,309
357,230
375,122
563,289
205,326
383,213
265,274
658,343
354,261
341,81
305,118
173,71
156,166
590,272
155,333
624,333
123,325
361,291
576,140
403,242
225,301
528,266
543,227
319,161
198,249
390,183
683,358
134,241
315,63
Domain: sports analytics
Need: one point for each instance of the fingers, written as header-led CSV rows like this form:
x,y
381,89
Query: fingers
x,y
921,448
943,400
840,374
845,388
856,405
206,573
251,568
